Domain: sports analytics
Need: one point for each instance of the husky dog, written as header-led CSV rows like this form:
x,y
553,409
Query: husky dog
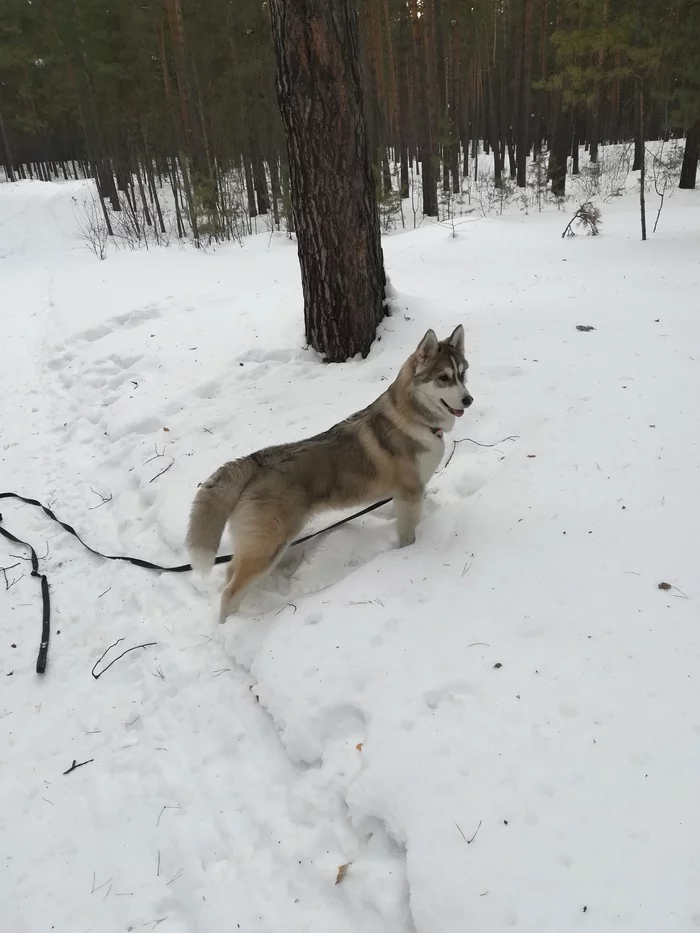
x,y
390,449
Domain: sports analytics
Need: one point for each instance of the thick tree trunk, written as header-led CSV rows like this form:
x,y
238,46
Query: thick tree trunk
x,y
689,169
332,186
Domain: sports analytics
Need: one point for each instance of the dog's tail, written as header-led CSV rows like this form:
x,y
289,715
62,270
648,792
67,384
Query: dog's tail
x,y
212,507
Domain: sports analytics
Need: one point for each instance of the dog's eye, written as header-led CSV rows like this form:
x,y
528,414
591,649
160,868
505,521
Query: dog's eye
x,y
444,379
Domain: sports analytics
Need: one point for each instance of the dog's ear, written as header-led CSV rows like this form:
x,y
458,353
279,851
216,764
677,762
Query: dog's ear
x,y
456,340
426,349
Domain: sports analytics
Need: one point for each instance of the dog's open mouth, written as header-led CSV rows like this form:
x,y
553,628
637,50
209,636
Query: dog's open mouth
x,y
457,412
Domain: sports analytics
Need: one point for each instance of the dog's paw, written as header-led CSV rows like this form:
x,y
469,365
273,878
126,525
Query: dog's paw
x,y
407,539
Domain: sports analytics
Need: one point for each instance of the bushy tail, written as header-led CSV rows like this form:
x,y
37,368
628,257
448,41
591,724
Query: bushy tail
x,y
215,501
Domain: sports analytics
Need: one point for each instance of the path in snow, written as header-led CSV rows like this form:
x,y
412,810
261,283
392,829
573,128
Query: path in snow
x,y
247,840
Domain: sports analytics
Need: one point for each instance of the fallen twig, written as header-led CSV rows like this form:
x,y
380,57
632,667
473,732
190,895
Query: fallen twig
x,y
511,437
161,472
167,807
469,841
77,764
8,585
103,498
148,644
99,886
155,457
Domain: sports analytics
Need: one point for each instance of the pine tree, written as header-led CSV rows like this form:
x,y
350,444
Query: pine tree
x,y
332,186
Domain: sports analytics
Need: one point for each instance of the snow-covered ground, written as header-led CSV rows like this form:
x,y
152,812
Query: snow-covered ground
x,y
495,729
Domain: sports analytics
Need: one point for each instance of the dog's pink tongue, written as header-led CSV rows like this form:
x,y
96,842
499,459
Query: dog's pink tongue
x,y
457,414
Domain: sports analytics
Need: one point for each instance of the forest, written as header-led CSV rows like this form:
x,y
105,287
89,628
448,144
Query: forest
x,y
171,106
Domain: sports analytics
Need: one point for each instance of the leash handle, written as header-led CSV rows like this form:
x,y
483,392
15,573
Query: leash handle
x,y
45,597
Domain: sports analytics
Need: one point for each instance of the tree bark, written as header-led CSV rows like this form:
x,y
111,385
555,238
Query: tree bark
x,y
8,154
559,153
525,115
689,169
332,185
642,163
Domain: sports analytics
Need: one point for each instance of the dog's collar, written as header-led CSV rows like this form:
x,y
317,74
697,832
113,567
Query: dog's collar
x,y
437,432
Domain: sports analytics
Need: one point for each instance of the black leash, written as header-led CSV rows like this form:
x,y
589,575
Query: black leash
x,y
46,615
136,561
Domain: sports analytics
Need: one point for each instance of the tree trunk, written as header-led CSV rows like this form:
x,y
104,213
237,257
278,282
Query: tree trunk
x,y
523,145
689,169
276,190
403,102
249,187
260,184
574,147
8,154
559,153
429,150
332,185
639,141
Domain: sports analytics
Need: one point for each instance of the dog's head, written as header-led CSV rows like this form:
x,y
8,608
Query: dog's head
x,y
440,374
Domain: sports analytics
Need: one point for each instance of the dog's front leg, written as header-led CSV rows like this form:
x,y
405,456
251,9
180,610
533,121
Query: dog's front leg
x,y
408,510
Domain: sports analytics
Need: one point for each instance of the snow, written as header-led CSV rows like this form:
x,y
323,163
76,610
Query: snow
x,y
495,729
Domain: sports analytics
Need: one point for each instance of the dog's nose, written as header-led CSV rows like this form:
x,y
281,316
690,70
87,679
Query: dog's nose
x,y
467,400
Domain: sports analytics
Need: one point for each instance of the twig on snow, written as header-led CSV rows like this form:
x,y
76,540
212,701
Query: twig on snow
x,y
99,886
469,841
148,644
8,585
511,437
77,764
161,472
155,457
167,807
104,499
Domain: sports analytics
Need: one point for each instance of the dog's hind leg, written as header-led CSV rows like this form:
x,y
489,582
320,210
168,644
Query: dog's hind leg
x,y
261,534
408,506
248,566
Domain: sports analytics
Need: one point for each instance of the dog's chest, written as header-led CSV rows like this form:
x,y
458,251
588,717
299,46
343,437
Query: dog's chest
x,y
428,461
